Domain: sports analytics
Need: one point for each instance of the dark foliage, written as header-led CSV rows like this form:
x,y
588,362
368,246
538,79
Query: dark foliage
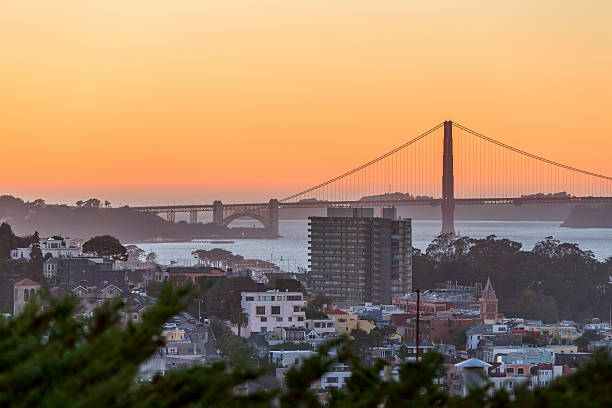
x,y
222,300
568,282
9,241
106,245
284,285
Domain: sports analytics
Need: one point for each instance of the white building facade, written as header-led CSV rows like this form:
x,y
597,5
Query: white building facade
x,y
269,310
55,247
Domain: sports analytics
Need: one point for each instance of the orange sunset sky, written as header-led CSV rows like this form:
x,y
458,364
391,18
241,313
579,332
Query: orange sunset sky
x,y
176,101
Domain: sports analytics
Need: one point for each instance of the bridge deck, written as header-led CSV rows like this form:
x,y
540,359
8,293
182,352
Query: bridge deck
x,y
383,203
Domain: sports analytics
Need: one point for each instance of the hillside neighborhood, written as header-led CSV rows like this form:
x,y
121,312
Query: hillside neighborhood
x,y
249,310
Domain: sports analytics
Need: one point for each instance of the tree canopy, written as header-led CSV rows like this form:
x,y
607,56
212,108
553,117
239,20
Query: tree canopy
x,y
134,253
217,257
565,281
106,245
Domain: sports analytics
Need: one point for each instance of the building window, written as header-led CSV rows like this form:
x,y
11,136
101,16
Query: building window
x,y
250,298
300,319
296,309
279,319
260,310
294,298
521,371
510,370
275,310
332,380
263,319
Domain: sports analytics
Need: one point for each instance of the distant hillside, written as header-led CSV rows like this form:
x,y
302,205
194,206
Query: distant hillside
x,y
586,216
85,222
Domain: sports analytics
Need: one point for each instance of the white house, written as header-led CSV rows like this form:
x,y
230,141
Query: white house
x,y
269,310
323,327
53,246
289,358
336,377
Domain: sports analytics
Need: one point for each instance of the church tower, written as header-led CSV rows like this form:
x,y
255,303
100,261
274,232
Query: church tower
x,y
488,302
24,291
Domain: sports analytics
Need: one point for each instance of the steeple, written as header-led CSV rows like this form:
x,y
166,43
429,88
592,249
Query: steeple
x,y
488,302
488,293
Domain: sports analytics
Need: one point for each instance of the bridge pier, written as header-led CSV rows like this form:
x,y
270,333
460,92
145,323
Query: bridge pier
x,y
448,182
273,217
193,216
218,213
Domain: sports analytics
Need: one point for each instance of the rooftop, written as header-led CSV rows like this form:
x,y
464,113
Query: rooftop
x,y
27,282
473,363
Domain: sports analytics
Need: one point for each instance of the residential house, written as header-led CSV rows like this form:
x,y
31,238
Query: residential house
x,y
50,247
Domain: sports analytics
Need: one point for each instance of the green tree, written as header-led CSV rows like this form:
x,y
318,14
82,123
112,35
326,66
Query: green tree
x,y
459,338
588,336
216,257
106,245
223,299
284,284
537,307
134,253
151,257
9,241
219,327
239,353
39,202
312,313
36,259
320,301
92,203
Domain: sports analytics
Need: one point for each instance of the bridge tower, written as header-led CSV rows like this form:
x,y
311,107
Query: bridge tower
x,y
171,216
218,213
273,217
448,182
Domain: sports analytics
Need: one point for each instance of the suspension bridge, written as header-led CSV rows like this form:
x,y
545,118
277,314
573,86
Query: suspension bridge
x,y
446,166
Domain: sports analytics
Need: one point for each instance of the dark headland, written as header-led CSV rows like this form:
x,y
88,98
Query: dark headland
x,y
587,216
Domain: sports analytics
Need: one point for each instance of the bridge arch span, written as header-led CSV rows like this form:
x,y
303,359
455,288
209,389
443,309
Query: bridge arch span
x,y
246,214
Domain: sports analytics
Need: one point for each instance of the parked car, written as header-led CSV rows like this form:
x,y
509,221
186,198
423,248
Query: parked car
x,y
191,320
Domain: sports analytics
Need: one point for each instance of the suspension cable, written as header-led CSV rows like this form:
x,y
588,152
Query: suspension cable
x,y
376,160
533,156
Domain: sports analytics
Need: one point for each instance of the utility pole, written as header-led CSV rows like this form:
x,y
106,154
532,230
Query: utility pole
x,y
418,312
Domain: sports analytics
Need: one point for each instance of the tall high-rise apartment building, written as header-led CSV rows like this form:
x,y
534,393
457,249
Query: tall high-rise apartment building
x,y
357,258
